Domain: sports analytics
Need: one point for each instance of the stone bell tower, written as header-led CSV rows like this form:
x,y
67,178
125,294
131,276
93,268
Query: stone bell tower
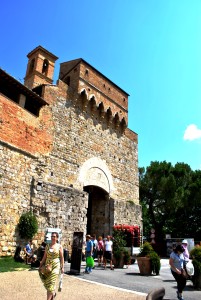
x,y
40,68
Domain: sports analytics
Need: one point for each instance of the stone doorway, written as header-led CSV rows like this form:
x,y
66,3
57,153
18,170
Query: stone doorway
x,y
100,212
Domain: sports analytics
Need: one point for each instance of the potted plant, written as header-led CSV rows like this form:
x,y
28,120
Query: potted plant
x,y
148,260
126,257
121,256
195,254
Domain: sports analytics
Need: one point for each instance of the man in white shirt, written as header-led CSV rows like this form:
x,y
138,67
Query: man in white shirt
x,y
108,252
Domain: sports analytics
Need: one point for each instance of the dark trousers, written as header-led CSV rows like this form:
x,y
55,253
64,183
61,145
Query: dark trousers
x,y
181,281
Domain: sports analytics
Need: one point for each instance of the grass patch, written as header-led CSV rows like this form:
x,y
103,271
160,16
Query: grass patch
x,y
7,264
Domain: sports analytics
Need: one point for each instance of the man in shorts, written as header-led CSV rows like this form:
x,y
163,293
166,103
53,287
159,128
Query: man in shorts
x,y
108,252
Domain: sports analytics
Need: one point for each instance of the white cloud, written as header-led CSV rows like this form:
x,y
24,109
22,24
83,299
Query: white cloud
x,y
192,133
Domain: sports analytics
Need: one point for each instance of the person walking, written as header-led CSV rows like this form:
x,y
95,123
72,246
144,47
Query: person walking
x,y
176,262
95,245
53,257
186,252
88,253
108,252
100,249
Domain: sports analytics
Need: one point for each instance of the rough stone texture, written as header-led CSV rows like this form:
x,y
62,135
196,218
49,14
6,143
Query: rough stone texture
x,y
76,163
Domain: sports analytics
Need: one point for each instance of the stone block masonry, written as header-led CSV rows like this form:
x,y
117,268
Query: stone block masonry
x,y
66,152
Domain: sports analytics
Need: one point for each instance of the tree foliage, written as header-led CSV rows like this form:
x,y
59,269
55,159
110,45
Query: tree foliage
x,y
28,225
170,197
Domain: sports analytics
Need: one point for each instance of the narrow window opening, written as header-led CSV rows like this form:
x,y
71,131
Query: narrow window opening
x,y
32,63
45,66
67,80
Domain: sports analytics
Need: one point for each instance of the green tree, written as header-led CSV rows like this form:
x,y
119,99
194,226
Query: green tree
x,y
168,194
191,212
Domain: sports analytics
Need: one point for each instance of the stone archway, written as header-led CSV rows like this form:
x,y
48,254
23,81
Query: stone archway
x,y
97,181
95,172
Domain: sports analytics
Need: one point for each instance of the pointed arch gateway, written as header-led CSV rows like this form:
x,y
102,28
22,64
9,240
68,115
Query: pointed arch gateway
x,y
97,182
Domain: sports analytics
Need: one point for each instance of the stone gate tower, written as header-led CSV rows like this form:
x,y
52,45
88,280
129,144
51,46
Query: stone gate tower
x,y
66,151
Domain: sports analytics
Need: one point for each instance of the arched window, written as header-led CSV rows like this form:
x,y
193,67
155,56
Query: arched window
x,y
31,67
45,66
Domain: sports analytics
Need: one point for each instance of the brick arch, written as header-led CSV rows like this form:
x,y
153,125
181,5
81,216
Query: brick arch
x,y
95,172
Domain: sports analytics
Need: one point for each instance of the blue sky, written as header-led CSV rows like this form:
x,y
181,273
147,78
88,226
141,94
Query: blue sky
x,y
150,48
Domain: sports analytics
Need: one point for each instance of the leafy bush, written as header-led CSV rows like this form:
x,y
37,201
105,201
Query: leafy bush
x,y
28,225
127,257
195,253
155,262
118,241
147,251
119,251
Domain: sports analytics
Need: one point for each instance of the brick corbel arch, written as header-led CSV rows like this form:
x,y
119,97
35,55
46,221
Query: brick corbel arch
x,y
95,172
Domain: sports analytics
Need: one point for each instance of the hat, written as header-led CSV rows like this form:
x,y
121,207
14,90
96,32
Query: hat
x,y
184,242
88,236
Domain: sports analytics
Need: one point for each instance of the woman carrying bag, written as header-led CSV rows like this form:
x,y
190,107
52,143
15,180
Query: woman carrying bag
x,y
177,268
51,264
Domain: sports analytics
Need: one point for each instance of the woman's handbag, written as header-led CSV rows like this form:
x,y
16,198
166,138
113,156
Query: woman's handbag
x,y
45,269
184,274
90,261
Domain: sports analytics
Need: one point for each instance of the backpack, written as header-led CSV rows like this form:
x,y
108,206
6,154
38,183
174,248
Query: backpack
x,y
100,245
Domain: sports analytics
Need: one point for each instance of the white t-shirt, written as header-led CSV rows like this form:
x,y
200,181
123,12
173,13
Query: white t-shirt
x,y
108,245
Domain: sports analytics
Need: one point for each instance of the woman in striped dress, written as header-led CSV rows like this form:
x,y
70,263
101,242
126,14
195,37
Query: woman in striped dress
x,y
53,255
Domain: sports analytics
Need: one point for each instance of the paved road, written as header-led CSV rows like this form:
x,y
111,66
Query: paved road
x,y
131,279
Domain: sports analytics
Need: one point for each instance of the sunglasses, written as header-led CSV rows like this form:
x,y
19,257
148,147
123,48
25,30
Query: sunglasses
x,y
53,236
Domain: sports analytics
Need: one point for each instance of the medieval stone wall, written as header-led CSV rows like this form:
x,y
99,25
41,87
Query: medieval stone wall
x,y
16,169
22,188
80,136
50,163
76,138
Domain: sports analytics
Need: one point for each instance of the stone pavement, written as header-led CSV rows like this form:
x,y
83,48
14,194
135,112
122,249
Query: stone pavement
x,y
130,279
24,285
101,284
